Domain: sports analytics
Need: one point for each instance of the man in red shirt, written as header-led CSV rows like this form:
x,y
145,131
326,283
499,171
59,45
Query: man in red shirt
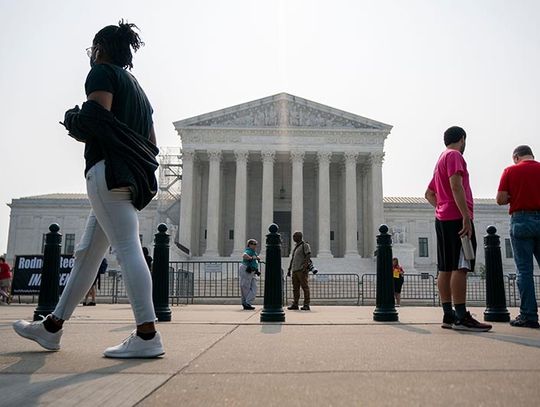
x,y
450,193
5,281
520,187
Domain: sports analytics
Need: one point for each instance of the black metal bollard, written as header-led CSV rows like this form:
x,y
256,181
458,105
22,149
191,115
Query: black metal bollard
x,y
385,307
50,273
273,278
160,274
495,296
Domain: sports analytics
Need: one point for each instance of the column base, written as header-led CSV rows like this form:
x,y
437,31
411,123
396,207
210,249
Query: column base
x,y
237,255
352,255
325,255
211,254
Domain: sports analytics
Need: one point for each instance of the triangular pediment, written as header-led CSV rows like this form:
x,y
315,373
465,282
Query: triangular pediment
x,y
282,110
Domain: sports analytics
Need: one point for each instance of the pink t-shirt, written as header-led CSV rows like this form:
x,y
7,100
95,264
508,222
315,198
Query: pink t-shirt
x,y
450,162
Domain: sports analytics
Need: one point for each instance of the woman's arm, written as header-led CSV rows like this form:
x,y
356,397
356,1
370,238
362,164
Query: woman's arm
x,y
103,98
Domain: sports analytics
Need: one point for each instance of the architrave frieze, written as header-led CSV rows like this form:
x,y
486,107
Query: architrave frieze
x,y
202,138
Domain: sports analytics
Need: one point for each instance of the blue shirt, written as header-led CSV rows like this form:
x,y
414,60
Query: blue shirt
x,y
251,263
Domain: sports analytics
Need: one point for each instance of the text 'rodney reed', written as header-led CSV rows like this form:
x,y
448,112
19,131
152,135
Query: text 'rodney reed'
x,y
36,262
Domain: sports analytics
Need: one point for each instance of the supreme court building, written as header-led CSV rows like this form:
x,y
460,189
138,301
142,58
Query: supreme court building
x,y
282,159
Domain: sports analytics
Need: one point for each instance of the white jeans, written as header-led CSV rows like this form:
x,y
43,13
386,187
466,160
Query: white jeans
x,y
112,221
248,285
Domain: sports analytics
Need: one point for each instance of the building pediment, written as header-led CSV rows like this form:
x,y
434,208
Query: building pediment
x,y
282,111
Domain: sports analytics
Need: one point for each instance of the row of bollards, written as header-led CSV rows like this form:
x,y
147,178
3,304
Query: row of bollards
x,y
50,274
273,291
496,310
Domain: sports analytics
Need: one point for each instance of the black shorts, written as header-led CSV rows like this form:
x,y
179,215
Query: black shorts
x,y
449,244
398,283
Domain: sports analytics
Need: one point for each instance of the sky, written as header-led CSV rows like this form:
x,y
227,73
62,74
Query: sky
x,y
418,65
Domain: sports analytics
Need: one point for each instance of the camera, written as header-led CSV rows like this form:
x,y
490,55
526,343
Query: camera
x,y
311,267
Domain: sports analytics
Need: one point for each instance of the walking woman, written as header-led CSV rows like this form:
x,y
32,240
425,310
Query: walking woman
x,y
115,123
249,270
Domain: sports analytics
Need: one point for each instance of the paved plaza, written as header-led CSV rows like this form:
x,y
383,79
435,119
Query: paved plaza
x,y
219,355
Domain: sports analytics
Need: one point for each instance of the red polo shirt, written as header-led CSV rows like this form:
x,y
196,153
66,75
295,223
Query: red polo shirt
x,y
4,271
522,182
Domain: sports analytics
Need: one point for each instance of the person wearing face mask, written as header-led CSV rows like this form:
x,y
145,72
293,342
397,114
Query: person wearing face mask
x,y
449,192
115,124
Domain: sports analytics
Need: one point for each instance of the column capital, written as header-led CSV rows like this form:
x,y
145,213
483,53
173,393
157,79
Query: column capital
x,y
350,156
297,156
376,158
324,157
268,156
363,170
188,155
241,156
214,155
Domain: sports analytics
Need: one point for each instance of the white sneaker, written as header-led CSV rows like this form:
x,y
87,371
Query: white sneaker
x,y
135,347
37,332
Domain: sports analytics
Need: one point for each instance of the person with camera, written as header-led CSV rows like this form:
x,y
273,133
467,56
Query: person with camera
x,y
299,267
249,271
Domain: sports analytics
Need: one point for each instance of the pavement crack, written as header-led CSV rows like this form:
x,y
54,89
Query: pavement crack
x,y
188,364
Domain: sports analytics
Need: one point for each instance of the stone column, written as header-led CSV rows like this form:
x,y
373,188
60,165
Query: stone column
x,y
186,206
213,220
351,221
240,202
267,211
324,204
376,196
297,194
367,238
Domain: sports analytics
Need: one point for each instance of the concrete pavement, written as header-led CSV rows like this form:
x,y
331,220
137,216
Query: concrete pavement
x,y
220,355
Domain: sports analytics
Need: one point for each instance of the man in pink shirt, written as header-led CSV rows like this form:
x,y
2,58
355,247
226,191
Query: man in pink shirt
x,y
450,193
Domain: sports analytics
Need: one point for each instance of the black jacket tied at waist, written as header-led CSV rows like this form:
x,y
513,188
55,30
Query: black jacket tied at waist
x,y
130,159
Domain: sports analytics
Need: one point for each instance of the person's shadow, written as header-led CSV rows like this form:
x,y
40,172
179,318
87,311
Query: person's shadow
x,y
20,376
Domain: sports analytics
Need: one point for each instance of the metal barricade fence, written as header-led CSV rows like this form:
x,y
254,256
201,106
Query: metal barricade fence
x,y
207,279
420,287
108,286
329,287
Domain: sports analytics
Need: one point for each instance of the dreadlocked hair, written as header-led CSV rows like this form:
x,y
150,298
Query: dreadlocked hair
x,y
117,41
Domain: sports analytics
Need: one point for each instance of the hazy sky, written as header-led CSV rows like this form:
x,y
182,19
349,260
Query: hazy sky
x,y
420,66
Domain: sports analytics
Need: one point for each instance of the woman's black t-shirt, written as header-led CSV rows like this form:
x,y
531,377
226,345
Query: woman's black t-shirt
x,y
130,104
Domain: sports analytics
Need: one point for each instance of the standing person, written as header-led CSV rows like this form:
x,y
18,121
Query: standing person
x,y
450,193
249,270
147,258
299,268
520,187
115,123
398,272
5,281
97,284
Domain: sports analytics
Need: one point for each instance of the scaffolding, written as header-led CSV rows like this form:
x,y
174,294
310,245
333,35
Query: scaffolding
x,y
170,185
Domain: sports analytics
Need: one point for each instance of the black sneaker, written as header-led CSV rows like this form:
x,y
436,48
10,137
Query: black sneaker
x,y
448,321
468,323
248,307
524,323
305,308
292,306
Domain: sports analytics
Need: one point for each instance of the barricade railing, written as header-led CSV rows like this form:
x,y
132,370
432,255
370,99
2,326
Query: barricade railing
x,y
476,290
109,285
207,279
420,287
200,279
325,287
